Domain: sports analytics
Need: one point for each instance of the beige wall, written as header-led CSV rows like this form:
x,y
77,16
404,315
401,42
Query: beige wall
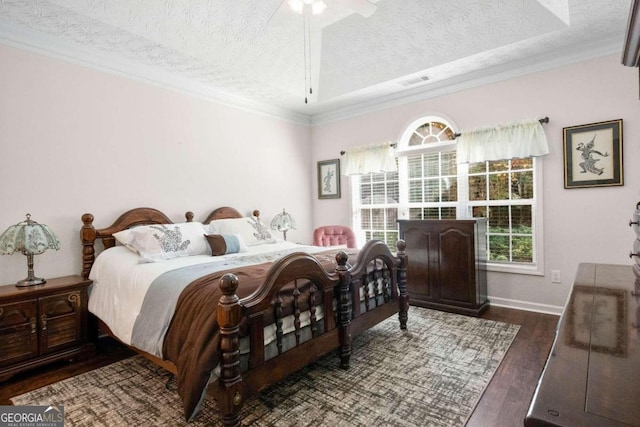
x,y
580,225
76,140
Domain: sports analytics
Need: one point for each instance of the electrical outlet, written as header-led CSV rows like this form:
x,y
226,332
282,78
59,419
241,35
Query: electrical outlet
x,y
555,276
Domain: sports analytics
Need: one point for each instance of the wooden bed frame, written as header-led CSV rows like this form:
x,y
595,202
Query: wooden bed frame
x,y
374,263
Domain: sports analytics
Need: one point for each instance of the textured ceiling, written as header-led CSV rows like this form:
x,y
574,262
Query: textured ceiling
x,y
251,52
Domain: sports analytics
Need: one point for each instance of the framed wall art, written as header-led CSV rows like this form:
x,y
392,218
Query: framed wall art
x,y
593,155
329,179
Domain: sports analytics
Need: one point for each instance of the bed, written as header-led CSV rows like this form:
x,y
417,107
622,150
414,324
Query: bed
x,y
239,322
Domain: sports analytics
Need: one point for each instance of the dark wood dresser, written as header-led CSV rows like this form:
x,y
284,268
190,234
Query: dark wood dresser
x,y
592,375
447,264
44,323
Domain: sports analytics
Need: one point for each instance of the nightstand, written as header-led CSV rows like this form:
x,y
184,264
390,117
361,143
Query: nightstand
x,y
42,324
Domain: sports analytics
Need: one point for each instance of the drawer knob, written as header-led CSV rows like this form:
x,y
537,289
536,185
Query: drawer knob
x,y
33,325
43,322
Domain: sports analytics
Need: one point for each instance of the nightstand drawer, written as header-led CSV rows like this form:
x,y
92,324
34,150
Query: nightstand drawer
x,y
18,331
60,305
19,313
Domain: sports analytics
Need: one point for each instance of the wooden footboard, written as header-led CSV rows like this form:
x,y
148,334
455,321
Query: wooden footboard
x,y
353,300
378,289
327,309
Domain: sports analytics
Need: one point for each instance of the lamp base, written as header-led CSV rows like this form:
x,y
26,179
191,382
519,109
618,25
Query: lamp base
x,y
31,282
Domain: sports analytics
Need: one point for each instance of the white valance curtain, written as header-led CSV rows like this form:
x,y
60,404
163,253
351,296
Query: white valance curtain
x,y
372,158
509,141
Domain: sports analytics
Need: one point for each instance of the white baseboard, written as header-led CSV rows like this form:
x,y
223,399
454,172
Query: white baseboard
x,y
525,305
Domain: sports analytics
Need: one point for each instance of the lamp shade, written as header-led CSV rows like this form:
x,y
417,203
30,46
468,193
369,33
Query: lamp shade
x,y
31,239
283,222
28,237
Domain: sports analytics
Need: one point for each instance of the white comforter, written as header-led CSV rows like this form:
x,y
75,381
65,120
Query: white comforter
x,y
120,282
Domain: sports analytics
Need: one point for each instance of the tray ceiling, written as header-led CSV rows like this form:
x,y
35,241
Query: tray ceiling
x,y
362,52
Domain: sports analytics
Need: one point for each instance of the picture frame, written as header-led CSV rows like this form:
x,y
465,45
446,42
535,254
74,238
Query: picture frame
x,y
329,179
593,155
597,320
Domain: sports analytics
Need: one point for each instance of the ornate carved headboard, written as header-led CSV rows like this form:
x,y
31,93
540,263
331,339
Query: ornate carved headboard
x,y
132,218
226,212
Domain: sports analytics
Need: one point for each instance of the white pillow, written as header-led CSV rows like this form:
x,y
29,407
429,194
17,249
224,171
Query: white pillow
x,y
165,241
124,238
252,230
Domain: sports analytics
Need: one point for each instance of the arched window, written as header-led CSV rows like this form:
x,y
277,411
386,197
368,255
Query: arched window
x,y
428,169
434,131
431,184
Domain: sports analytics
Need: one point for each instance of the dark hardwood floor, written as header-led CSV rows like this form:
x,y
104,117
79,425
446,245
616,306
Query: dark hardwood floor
x,y
504,403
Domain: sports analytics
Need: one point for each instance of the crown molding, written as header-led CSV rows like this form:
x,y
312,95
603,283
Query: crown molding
x,y
35,42
32,41
507,71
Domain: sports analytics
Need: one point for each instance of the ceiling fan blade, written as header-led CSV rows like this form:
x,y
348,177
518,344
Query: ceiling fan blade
x,y
363,7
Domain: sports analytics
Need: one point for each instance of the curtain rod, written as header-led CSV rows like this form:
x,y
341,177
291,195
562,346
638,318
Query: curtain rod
x,y
542,121
455,135
392,145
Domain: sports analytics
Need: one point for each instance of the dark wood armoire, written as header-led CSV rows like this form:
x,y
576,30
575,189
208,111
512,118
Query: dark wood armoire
x,y
447,264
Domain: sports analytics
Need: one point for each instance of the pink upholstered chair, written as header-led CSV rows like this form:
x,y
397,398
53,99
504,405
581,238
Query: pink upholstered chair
x,y
334,235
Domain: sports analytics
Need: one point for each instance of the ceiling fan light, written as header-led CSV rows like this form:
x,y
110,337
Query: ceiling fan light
x,y
297,5
318,7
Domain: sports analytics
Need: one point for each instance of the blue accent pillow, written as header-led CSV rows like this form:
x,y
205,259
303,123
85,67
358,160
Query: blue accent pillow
x,y
233,243
223,244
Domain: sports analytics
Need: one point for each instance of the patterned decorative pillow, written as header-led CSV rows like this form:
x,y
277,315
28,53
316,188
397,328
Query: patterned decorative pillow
x,y
124,238
252,230
165,241
222,244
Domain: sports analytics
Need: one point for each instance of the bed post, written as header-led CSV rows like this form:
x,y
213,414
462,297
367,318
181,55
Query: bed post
x,y
229,313
344,309
88,237
402,284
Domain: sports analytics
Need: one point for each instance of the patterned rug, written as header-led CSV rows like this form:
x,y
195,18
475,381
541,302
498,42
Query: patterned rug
x,y
431,375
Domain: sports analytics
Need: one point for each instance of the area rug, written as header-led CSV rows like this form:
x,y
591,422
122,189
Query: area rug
x,y
433,374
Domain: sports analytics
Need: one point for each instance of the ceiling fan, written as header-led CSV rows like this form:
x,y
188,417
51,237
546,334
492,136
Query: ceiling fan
x,y
306,7
363,7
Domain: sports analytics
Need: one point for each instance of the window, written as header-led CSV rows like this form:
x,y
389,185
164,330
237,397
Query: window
x,y
430,184
377,214
502,191
433,185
